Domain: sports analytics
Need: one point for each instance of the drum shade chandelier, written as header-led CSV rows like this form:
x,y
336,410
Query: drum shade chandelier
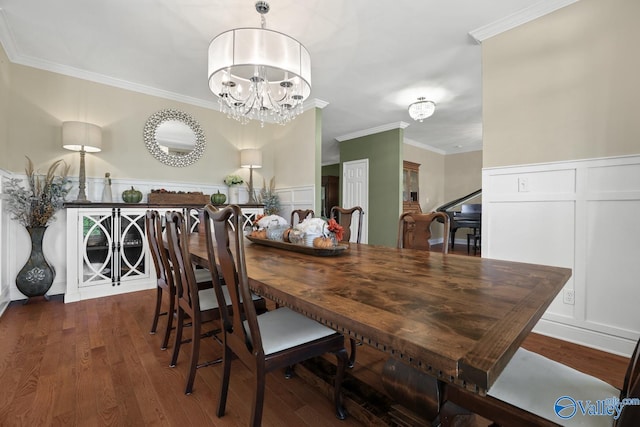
x,y
259,74
421,109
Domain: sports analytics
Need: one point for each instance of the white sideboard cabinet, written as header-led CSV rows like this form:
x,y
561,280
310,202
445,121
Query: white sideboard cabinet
x,y
107,250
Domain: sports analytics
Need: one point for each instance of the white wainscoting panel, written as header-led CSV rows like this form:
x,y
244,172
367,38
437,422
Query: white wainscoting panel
x,y
4,247
582,215
292,198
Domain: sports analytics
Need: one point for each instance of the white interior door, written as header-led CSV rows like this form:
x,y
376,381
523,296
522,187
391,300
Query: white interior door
x,y
355,192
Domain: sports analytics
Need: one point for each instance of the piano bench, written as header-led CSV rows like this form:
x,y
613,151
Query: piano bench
x,y
476,242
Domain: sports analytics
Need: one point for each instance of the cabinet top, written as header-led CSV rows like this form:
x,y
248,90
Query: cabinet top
x,y
72,205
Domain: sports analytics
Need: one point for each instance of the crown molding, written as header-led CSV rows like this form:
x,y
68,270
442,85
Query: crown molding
x,y
8,43
516,19
6,37
372,131
424,146
314,103
133,87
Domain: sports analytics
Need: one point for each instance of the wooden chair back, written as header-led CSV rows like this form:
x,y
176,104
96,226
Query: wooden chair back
x,y
186,286
164,276
158,253
302,214
414,230
228,249
345,218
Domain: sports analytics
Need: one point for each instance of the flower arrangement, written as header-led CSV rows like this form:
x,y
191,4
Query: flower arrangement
x,y
335,228
36,205
233,180
269,198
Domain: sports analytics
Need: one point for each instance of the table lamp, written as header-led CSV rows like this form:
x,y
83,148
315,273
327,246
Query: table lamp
x,y
252,159
82,137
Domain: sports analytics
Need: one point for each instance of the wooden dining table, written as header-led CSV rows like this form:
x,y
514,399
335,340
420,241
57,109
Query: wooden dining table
x,y
456,318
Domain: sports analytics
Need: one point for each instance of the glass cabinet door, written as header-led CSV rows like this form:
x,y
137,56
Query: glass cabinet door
x,y
131,259
405,185
98,244
413,186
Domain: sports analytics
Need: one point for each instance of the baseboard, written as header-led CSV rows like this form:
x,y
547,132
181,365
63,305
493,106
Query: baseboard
x,y
599,341
3,307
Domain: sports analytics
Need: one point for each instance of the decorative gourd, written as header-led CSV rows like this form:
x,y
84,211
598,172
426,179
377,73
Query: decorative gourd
x,y
285,235
323,242
132,196
259,234
218,198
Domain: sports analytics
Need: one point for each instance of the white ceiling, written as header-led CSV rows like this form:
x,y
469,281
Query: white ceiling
x,y
370,59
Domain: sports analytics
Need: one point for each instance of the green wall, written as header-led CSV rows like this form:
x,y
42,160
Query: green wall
x,y
331,170
384,151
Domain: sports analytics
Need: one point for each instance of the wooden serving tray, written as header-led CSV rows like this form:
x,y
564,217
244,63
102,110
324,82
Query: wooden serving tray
x,y
300,248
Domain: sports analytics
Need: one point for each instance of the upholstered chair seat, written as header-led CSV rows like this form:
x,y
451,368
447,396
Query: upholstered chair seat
x,y
544,382
283,328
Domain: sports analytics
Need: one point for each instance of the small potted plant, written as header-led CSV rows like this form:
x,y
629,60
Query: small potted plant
x,y
233,181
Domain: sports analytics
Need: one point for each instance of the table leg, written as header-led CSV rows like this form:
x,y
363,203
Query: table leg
x,y
413,389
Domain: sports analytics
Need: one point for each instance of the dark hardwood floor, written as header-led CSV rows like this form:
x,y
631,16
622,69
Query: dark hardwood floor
x,y
94,363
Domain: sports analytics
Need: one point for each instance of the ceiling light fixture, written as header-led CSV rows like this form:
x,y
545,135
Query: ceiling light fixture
x,y
259,74
422,109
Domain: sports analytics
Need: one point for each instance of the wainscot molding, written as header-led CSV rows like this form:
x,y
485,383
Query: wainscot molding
x,y
582,215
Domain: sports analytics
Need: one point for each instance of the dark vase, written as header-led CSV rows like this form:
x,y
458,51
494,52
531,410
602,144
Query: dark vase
x,y
36,277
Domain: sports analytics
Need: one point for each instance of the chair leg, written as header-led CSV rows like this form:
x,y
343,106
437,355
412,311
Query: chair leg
x,y
195,353
178,337
289,372
343,360
258,398
170,314
352,355
156,314
224,383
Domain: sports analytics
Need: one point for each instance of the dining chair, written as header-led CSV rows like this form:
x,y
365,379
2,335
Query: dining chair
x,y
536,391
414,230
344,217
164,281
164,275
302,214
198,305
276,339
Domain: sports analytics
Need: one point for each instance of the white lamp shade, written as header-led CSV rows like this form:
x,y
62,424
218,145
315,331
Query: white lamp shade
x,y
78,136
251,158
234,55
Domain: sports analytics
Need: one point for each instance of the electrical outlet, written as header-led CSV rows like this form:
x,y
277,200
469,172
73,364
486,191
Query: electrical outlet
x,y
523,184
569,296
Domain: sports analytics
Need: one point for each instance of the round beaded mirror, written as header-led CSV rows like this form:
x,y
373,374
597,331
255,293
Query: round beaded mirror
x,y
174,138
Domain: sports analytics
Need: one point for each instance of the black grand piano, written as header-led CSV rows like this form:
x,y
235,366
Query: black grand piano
x,y
469,215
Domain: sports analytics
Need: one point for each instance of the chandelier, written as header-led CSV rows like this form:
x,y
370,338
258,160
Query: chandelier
x,y
421,109
259,74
